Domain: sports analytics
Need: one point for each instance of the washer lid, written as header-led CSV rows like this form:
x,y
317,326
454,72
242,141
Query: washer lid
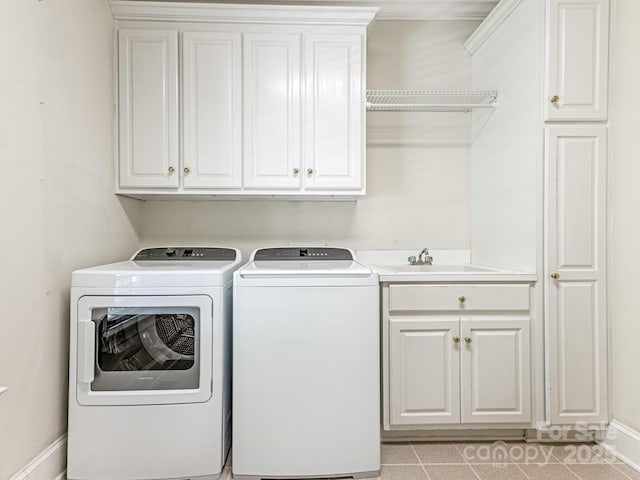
x,y
304,261
302,254
305,268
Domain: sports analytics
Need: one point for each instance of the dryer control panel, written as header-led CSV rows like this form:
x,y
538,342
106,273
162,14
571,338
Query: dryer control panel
x,y
303,253
186,253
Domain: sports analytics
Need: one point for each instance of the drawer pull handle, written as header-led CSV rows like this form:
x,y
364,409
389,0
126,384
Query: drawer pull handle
x,y
187,170
555,99
467,340
456,339
309,171
296,171
171,169
462,299
555,276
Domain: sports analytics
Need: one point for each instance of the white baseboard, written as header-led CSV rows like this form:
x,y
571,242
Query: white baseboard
x,y
624,443
49,465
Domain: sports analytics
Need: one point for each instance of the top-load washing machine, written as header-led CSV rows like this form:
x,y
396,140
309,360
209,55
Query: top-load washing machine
x,y
150,366
306,365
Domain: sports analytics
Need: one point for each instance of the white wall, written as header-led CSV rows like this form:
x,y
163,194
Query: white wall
x,y
56,203
506,156
624,271
416,195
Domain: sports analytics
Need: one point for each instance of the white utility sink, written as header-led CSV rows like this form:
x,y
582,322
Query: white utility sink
x,y
437,269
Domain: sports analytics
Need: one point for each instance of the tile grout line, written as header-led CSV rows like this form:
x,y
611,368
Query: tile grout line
x,y
572,472
466,460
614,466
522,471
421,464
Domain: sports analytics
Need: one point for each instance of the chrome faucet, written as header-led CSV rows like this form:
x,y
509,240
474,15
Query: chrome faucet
x,y
423,258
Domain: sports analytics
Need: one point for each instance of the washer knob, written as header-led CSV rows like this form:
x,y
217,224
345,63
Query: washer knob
x,y
170,252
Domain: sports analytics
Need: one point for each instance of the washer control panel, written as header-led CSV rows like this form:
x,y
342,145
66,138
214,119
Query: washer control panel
x,y
186,253
303,253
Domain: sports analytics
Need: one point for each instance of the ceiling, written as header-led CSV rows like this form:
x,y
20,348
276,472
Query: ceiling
x,y
393,9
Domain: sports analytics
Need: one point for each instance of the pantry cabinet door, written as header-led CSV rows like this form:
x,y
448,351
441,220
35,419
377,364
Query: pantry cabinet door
x,y
272,117
575,281
424,371
148,108
212,109
577,60
334,112
495,370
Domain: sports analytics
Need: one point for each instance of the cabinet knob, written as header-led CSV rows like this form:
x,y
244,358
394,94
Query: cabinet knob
x,y
296,171
555,276
309,171
171,169
555,99
456,339
462,299
467,340
186,170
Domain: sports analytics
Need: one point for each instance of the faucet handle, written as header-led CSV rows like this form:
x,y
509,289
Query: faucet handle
x,y
412,260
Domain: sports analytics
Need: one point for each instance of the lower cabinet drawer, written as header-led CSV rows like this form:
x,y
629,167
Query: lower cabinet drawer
x,y
458,297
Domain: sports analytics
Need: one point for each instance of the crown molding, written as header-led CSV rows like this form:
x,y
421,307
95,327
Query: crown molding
x,y
490,24
241,13
200,10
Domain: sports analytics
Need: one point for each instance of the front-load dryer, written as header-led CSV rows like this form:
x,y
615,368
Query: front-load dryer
x,y
150,366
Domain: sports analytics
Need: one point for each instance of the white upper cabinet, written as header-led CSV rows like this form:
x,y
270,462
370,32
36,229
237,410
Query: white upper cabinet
x,y
272,125
212,109
334,112
271,101
577,60
148,108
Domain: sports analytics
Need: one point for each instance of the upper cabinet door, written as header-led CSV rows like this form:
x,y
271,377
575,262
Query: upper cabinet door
x,y
577,60
272,117
334,112
212,109
575,287
148,108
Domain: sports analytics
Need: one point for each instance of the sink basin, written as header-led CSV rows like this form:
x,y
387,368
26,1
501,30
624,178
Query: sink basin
x,y
437,269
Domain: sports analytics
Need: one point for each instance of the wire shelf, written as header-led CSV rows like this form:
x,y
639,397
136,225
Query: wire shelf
x,y
430,100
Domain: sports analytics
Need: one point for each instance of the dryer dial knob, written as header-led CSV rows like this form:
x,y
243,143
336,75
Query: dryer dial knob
x,y
170,252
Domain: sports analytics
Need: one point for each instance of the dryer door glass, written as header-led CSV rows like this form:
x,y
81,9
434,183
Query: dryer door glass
x,y
148,348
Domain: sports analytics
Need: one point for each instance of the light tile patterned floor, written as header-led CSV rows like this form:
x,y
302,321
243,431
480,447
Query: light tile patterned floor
x,y
495,461
500,461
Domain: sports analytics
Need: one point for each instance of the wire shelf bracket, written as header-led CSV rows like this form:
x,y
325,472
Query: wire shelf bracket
x,y
430,100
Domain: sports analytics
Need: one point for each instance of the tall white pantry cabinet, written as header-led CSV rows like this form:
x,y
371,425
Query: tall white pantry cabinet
x,y
241,100
565,134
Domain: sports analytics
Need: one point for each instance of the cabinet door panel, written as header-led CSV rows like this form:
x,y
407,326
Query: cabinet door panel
x,y
578,50
272,115
148,108
212,109
495,371
576,252
333,112
424,371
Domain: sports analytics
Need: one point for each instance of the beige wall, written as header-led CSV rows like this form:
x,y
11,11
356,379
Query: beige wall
x,y
57,207
506,158
624,274
416,196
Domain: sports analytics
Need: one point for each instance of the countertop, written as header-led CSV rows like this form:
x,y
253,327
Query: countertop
x,y
449,266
